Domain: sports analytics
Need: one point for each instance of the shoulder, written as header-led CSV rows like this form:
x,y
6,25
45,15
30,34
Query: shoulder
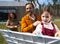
x,y
54,24
8,20
25,17
39,25
56,27
38,28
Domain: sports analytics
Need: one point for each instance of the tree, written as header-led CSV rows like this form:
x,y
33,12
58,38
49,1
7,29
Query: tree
x,y
39,5
54,6
17,0
32,1
54,1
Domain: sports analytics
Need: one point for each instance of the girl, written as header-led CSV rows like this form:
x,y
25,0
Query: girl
x,y
12,22
46,27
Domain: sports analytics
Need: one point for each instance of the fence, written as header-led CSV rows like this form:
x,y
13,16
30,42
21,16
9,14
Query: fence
x,y
27,38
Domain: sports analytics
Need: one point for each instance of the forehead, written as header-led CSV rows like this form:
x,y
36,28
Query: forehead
x,y
29,5
45,13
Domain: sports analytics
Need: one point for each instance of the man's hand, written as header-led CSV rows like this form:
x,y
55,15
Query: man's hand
x,y
36,23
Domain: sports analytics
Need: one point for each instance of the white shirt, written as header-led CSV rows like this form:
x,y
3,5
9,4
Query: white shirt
x,y
38,29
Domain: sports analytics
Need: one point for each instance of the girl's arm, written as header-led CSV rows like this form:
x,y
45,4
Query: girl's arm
x,y
57,34
7,24
38,30
57,29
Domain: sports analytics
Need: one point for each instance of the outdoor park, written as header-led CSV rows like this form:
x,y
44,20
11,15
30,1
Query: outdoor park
x,y
55,19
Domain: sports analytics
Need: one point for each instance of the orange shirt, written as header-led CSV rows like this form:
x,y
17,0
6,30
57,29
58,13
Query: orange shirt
x,y
27,23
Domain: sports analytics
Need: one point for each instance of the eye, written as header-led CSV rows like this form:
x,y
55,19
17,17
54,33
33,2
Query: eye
x,y
42,16
29,8
47,16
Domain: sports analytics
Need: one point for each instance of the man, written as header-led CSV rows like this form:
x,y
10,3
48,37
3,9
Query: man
x,y
30,20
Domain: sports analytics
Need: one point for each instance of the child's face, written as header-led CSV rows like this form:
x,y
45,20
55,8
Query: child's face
x,y
46,17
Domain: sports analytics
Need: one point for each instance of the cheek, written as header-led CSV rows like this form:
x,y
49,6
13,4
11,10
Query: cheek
x,y
44,18
27,9
50,18
32,9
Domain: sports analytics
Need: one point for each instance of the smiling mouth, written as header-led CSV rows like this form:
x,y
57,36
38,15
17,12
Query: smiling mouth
x,y
45,21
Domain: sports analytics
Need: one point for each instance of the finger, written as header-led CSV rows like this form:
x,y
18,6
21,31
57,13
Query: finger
x,y
56,35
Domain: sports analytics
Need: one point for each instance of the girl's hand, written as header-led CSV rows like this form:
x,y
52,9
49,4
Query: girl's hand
x,y
57,34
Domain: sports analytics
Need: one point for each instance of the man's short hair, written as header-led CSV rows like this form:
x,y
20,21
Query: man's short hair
x,y
30,4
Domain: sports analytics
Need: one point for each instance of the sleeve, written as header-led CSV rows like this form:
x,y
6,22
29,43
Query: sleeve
x,y
38,30
57,29
25,27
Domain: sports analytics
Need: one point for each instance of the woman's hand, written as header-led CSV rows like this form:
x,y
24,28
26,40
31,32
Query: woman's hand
x,y
12,26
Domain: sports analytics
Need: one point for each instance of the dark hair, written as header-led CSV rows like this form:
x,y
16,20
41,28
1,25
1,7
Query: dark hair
x,y
13,14
30,4
48,9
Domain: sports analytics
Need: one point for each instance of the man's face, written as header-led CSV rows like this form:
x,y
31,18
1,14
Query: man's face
x,y
29,8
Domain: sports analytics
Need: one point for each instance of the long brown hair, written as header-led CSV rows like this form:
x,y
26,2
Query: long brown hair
x,y
9,17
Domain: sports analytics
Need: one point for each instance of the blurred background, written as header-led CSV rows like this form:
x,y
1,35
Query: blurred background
x,y
18,7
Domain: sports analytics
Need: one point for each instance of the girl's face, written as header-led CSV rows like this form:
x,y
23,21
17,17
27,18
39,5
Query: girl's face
x,y
46,17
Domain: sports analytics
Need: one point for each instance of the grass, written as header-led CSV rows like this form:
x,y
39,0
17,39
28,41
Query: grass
x,y
58,24
3,26
2,40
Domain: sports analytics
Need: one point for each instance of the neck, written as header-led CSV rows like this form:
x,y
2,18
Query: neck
x,y
46,22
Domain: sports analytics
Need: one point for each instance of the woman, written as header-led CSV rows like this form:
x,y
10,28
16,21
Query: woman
x,y
12,22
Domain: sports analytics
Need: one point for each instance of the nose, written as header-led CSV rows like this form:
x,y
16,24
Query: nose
x,y
44,18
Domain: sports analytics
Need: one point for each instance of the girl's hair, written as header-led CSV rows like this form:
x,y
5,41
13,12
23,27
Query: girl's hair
x,y
30,4
47,8
9,17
